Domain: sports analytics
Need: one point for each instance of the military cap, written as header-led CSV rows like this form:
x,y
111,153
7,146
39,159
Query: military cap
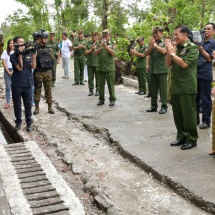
x,y
80,31
87,35
52,33
139,39
105,32
94,33
158,28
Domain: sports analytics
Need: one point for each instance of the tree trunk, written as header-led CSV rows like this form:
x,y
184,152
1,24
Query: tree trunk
x,y
105,14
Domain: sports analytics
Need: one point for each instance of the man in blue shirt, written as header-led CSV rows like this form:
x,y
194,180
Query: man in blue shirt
x,y
205,77
22,80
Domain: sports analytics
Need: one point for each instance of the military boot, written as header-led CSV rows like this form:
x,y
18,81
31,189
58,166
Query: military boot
x,y
96,93
90,93
36,111
50,110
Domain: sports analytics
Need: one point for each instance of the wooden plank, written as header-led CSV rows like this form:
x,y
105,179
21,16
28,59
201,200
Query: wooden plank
x,y
26,186
40,196
41,189
49,209
45,202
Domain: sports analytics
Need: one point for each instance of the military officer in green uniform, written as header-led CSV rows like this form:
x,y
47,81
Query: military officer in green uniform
x,y
79,47
106,68
183,60
56,52
140,65
1,42
158,71
92,64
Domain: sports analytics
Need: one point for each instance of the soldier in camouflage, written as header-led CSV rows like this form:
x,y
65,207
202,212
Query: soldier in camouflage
x,y
56,52
43,72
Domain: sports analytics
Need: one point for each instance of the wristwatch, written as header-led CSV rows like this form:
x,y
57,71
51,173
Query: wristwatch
x,y
172,55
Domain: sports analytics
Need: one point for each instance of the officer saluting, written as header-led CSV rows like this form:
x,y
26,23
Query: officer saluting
x,y
43,72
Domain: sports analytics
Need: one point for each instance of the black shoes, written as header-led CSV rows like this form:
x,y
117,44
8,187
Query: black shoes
x,y
17,127
151,110
75,84
112,103
140,93
100,103
147,96
29,128
82,83
97,93
204,125
90,93
162,111
186,146
177,143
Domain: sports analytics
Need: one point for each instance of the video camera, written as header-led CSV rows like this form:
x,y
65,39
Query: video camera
x,y
197,37
30,48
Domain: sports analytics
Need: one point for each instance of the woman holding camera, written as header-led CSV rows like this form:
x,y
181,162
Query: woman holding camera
x,y
8,71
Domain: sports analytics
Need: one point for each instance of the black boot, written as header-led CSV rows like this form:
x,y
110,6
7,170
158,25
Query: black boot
x,y
36,111
50,110
90,93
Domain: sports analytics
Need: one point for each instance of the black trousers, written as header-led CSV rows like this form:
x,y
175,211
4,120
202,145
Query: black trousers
x,y
204,93
26,95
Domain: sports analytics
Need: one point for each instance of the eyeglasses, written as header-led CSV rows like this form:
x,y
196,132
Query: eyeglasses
x,y
177,35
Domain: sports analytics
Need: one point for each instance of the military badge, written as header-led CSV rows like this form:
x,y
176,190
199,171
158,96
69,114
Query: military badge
x,y
183,51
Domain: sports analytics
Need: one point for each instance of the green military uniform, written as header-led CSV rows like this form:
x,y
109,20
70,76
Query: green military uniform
x,y
106,71
55,50
158,73
141,69
184,90
79,60
92,64
213,126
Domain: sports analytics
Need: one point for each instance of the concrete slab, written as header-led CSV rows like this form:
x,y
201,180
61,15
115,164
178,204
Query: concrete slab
x,y
144,137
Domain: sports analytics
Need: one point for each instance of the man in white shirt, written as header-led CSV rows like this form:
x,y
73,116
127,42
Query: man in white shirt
x,y
65,53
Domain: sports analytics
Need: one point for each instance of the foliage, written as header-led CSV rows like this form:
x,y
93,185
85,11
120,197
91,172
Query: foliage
x,y
121,50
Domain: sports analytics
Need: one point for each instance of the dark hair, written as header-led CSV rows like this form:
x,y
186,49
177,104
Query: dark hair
x,y
184,29
211,23
8,47
15,39
64,33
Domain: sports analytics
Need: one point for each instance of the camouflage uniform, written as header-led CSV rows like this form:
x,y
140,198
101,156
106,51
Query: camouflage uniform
x,y
43,76
55,50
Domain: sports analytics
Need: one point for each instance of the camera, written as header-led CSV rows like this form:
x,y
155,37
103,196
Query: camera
x,y
103,41
197,37
30,48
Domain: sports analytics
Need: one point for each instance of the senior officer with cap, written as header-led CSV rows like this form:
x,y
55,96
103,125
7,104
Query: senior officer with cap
x,y
92,64
56,52
183,60
79,47
106,68
140,65
158,71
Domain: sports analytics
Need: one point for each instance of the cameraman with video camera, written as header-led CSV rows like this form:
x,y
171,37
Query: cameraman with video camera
x,y
205,76
22,79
